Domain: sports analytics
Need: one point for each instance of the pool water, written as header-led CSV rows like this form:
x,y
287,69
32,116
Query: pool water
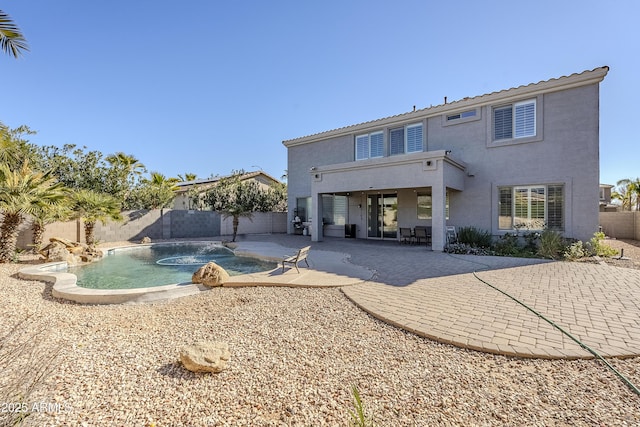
x,y
160,265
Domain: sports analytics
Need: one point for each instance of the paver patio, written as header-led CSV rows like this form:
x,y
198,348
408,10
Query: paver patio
x,y
437,295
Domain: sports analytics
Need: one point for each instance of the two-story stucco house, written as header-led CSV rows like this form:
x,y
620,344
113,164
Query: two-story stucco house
x,y
526,158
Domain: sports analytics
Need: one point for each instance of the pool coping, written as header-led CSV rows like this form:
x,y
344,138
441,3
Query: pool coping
x,y
65,284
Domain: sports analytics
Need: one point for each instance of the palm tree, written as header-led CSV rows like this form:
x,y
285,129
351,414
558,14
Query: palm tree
x,y
161,190
92,207
42,217
628,192
128,162
188,177
23,191
12,41
14,149
125,171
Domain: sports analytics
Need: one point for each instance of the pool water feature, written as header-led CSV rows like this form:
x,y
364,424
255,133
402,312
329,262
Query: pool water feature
x,y
161,264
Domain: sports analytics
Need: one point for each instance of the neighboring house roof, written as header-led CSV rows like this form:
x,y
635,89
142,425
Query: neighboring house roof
x,y
185,186
565,82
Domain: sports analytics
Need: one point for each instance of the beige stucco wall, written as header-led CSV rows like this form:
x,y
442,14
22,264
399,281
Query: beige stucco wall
x,y
621,225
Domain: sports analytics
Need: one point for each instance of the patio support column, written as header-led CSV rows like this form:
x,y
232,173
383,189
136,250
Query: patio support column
x,y
439,215
316,219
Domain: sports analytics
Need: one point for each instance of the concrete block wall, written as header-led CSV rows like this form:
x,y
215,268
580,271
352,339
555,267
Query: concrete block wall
x,y
159,224
185,223
621,225
261,222
136,225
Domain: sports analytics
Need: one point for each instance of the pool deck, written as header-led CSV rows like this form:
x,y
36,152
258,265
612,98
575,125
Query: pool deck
x,y
467,301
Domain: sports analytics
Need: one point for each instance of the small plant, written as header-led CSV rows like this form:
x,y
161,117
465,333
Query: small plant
x,y
599,248
507,245
466,249
551,245
359,417
474,237
531,239
575,251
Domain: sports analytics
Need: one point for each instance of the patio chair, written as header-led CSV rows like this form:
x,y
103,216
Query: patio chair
x,y
452,236
295,259
423,233
405,235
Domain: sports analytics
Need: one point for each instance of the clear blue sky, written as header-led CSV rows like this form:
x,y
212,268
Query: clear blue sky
x,y
206,86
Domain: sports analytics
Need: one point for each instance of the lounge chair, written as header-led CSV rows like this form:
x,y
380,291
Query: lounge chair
x,y
295,259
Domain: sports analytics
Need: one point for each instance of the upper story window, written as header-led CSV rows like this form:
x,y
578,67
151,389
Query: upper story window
x,y
369,145
515,120
463,115
407,139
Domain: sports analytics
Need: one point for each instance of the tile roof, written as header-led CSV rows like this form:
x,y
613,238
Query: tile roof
x,y
563,82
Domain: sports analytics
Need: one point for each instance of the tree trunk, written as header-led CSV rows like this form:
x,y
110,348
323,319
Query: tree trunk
x,y
88,232
236,221
38,234
9,236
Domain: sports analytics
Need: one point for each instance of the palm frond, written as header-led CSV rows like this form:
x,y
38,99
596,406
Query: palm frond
x,y
12,41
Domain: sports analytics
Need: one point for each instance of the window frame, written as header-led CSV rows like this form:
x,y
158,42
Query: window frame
x,y
370,154
406,139
533,122
335,209
553,207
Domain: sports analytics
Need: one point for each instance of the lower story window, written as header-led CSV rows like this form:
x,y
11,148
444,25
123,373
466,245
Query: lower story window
x,y
334,209
303,208
531,207
425,207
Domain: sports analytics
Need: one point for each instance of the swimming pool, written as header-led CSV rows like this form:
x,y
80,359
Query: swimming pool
x,y
161,264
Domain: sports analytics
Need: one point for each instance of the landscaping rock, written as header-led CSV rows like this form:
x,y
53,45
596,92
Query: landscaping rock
x,y
145,240
70,252
210,275
205,356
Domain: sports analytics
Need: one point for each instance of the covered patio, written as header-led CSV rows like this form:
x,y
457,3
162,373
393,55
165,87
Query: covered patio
x,y
384,194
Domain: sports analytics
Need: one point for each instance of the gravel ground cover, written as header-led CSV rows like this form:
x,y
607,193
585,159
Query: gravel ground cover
x,y
631,254
295,355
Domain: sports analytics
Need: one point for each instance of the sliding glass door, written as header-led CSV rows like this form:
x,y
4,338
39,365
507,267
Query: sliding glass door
x,y
382,216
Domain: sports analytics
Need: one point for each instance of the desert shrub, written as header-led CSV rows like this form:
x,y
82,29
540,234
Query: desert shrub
x,y
531,239
466,249
25,366
598,247
474,237
507,245
575,251
552,245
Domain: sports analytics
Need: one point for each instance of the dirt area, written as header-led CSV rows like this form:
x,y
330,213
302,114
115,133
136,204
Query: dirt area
x,y
631,254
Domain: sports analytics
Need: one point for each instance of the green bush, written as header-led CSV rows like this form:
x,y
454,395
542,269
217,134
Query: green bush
x,y
507,245
599,248
552,245
474,237
575,251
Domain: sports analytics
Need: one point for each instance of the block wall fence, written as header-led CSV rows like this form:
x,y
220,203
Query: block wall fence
x,y
160,224
621,225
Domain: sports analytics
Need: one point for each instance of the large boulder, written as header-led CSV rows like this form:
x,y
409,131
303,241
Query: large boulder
x,y
73,253
210,274
205,356
56,252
